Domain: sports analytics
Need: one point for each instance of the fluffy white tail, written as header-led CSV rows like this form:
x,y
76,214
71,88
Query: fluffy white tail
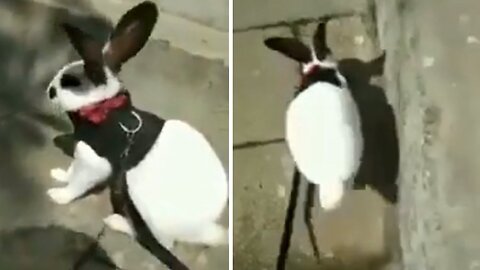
x,y
331,195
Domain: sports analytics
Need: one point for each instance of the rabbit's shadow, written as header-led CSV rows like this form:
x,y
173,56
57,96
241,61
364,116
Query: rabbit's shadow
x,y
379,166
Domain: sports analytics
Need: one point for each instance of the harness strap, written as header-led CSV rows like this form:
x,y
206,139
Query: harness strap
x,y
127,208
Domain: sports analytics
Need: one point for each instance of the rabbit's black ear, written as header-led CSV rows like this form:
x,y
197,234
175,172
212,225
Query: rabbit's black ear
x,y
130,34
291,47
320,41
91,52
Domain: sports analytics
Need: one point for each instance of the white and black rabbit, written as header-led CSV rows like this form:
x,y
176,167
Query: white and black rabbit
x,y
173,176
323,129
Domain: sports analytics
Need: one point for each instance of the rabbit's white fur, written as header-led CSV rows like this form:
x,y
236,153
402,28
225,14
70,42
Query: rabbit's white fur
x,y
86,171
87,168
180,187
70,100
324,137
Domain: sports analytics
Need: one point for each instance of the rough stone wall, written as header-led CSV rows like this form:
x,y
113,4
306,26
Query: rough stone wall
x,y
432,83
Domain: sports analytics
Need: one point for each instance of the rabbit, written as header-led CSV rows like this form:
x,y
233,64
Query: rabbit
x,y
323,129
172,177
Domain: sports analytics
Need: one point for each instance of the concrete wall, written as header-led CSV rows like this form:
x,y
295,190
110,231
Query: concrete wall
x,y
433,58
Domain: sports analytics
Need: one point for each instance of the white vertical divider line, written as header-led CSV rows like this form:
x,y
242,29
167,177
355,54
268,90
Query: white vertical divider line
x,y
230,133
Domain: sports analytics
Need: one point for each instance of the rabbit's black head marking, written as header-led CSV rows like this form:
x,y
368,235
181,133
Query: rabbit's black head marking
x,y
317,65
94,78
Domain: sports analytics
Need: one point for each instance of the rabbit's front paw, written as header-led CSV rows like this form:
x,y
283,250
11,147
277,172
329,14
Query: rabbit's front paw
x,y
60,195
59,175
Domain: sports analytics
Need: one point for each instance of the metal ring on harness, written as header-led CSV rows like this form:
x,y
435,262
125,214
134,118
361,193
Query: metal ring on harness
x,y
135,130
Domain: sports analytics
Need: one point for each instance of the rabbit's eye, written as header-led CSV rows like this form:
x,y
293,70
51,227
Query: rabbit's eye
x,y
69,81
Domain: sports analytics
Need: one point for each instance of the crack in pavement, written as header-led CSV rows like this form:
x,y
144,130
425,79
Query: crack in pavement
x,y
300,21
90,253
255,144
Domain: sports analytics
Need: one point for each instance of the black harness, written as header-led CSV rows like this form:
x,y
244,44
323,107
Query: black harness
x,y
123,205
105,138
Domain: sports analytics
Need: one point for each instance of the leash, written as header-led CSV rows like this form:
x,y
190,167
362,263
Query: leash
x,y
288,225
307,218
127,208
290,216
292,205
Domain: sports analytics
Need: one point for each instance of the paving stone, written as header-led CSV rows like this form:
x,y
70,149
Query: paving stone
x,y
176,85
43,248
264,82
362,232
128,254
262,187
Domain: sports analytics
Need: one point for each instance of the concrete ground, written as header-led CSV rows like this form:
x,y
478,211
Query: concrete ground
x,y
172,82
362,233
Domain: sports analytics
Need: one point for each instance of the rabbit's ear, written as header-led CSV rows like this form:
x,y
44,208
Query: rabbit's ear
x,y
291,47
130,34
320,41
91,52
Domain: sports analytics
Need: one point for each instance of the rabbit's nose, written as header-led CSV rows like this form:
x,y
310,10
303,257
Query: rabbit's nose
x,y
52,92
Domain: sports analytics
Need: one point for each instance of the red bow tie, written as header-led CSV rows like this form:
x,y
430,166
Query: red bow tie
x,y
98,112
307,73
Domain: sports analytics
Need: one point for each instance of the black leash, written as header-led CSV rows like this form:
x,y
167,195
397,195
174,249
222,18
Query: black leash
x,y
288,225
292,205
307,215
290,216
123,205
